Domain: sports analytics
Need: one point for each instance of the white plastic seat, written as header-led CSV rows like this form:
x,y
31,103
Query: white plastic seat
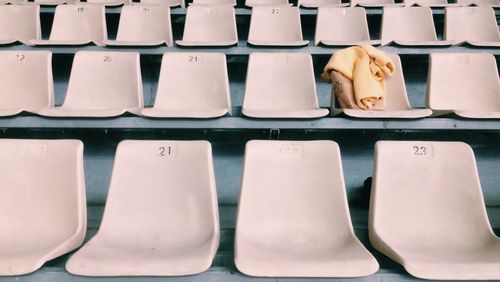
x,y
427,3
337,26
319,3
77,24
192,85
375,3
143,25
209,25
254,3
214,2
488,3
25,81
466,84
102,84
293,219
42,207
281,85
409,26
396,100
170,3
476,26
427,211
161,216
110,2
276,26
19,23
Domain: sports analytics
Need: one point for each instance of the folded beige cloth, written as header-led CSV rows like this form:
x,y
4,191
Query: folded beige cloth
x,y
367,67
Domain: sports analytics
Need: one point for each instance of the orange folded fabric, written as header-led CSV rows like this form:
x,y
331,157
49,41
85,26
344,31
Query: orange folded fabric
x,y
367,67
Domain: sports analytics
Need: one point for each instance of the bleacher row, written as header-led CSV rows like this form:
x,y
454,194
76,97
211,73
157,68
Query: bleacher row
x,y
215,25
252,3
160,220
196,85
296,210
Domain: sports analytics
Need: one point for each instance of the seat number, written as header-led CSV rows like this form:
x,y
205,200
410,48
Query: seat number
x,y
165,151
419,150
193,59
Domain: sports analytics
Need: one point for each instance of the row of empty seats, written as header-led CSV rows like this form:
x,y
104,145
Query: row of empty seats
x,y
215,25
196,85
293,218
253,3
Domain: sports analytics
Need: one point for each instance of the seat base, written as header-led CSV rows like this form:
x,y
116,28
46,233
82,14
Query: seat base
x,y
188,43
13,112
54,2
349,260
100,258
479,114
437,43
64,112
64,42
346,43
306,5
297,43
136,43
314,113
479,264
405,114
368,5
160,113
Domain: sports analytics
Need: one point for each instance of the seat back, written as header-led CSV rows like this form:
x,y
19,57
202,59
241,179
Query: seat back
x,y
19,23
396,97
436,185
293,187
193,82
467,81
471,24
275,24
279,82
145,23
287,189
338,24
26,80
79,22
412,24
210,23
153,190
104,80
46,179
